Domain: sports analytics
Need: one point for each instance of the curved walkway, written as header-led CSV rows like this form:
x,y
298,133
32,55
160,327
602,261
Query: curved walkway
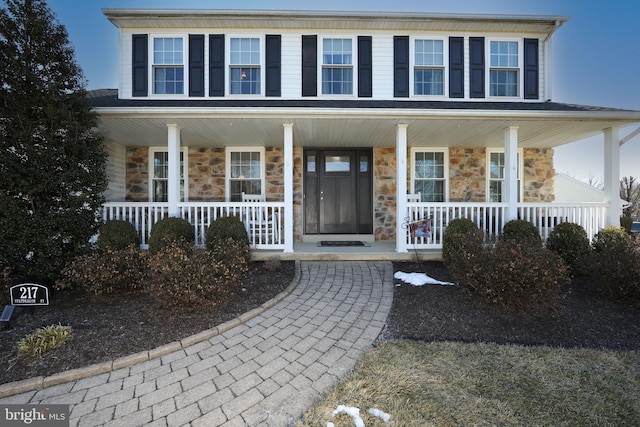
x,y
265,372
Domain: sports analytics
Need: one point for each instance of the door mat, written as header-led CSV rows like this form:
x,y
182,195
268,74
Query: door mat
x,y
342,243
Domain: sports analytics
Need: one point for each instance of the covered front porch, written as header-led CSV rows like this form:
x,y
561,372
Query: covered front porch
x,y
393,132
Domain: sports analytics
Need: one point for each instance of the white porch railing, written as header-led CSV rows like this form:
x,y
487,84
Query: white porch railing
x,y
263,220
491,217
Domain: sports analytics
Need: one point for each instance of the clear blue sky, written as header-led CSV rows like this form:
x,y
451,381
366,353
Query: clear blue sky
x,y
596,54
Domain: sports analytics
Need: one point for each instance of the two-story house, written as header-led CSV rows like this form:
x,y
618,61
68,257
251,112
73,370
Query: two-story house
x,y
347,126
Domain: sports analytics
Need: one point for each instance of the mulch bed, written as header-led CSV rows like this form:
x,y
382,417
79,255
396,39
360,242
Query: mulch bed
x,y
105,328
445,313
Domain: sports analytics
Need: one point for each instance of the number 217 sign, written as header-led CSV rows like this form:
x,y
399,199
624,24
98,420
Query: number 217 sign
x,y
29,294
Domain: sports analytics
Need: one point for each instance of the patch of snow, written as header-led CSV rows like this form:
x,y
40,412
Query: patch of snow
x,y
380,414
419,279
354,413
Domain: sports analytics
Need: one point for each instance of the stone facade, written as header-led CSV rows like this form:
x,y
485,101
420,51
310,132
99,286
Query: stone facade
x,y
467,179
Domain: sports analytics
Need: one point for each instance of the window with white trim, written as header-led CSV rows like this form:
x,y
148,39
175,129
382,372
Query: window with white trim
x,y
159,174
504,68
244,66
428,69
168,65
429,174
337,66
245,171
495,175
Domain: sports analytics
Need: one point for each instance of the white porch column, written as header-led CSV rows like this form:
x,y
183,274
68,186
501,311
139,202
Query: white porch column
x,y
511,172
401,186
288,188
612,176
173,169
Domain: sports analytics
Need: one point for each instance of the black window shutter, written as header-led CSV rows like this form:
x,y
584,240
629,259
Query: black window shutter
x,y
401,66
531,69
273,65
365,84
456,67
196,65
309,65
216,65
476,59
140,59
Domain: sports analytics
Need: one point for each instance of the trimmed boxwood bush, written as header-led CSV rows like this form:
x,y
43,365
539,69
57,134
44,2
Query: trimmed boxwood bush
x,y
461,238
571,242
168,230
521,231
626,222
609,237
117,234
615,265
227,239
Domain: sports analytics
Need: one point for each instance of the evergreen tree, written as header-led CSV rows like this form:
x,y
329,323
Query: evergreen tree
x,y
52,161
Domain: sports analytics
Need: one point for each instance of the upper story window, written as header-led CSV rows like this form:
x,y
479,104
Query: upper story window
x,y
428,72
337,66
504,68
244,64
429,171
168,65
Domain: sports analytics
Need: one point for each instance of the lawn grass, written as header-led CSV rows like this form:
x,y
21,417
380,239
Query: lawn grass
x,y
457,384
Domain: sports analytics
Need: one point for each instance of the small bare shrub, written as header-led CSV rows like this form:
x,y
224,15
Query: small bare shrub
x,y
513,275
105,272
193,278
272,264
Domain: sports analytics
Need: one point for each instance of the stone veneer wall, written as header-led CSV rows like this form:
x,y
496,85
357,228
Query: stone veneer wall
x,y
467,179
137,174
384,193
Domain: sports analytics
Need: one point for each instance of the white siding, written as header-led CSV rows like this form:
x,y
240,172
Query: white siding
x,y
125,65
116,163
291,78
382,63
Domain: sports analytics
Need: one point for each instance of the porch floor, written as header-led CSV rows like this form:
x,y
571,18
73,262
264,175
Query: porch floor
x,y
377,251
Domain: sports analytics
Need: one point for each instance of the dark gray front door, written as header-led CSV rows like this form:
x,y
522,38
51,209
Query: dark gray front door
x,y
338,191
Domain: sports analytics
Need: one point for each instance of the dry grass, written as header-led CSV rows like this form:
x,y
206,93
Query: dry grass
x,y
453,384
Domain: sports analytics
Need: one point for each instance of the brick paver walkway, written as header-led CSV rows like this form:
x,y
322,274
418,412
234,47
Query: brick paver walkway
x,y
265,372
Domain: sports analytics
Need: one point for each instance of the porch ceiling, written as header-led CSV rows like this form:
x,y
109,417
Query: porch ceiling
x,y
349,128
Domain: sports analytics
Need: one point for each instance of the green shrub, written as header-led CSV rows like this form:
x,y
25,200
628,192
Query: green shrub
x,y
116,235
227,239
609,237
616,267
571,242
168,230
461,238
521,231
105,272
626,222
514,275
43,340
193,278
